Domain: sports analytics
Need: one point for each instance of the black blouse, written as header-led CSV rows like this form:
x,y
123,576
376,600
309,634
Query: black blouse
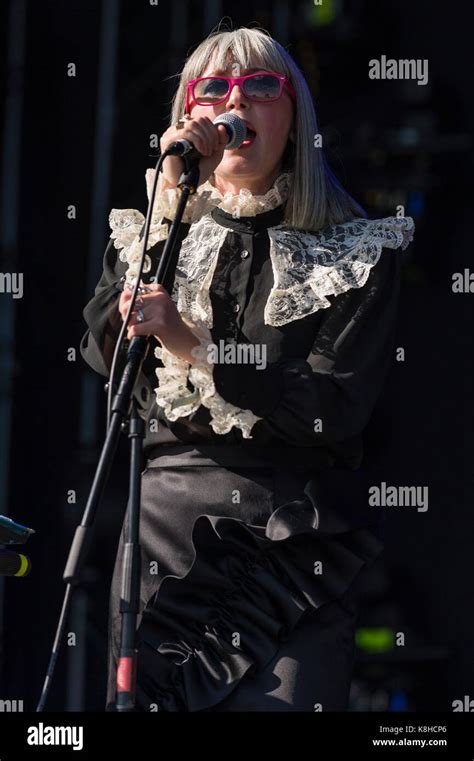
x,y
326,367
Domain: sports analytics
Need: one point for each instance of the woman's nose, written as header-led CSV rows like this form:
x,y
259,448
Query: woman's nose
x,y
237,96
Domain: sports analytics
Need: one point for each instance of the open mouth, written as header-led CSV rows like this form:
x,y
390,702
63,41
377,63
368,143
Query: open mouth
x,y
251,135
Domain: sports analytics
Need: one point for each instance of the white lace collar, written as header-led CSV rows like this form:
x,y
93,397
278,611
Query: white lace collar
x,y
126,224
307,268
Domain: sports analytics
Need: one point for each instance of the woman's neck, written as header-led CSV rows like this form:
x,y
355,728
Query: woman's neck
x,y
258,186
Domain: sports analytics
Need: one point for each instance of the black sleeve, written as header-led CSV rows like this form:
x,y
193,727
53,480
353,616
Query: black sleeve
x,y
101,314
104,321
341,379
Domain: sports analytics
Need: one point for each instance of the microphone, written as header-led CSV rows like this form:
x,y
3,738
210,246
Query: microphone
x,y
14,564
235,128
13,533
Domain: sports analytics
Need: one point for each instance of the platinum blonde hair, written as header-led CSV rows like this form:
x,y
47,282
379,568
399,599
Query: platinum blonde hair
x,y
316,198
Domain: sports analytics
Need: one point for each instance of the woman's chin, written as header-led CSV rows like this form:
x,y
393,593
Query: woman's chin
x,y
236,159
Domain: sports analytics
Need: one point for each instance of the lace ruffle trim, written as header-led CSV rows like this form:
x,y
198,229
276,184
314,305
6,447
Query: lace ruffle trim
x,y
126,224
207,197
307,267
174,396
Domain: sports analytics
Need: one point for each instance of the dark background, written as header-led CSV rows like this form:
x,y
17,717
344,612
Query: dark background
x,y
85,141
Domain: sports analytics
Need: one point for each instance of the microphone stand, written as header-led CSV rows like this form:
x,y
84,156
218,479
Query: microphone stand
x,y
123,404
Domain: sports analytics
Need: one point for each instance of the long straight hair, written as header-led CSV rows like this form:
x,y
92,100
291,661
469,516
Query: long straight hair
x,y
316,198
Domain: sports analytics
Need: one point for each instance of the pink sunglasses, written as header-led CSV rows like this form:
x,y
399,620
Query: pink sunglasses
x,y
260,87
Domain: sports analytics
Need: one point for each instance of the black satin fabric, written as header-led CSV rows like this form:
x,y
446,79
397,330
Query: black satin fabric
x,y
232,611
309,673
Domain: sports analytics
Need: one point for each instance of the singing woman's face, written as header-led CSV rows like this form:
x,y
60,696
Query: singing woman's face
x,y
271,121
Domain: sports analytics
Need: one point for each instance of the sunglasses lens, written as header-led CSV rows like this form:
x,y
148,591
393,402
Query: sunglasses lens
x,y
262,87
209,90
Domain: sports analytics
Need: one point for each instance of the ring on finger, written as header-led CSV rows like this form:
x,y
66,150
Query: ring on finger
x,y
181,122
140,316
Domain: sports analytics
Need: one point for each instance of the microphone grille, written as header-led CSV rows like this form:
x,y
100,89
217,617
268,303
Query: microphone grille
x,y
238,129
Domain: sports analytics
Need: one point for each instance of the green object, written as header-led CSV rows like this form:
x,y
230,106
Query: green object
x,y
324,12
375,639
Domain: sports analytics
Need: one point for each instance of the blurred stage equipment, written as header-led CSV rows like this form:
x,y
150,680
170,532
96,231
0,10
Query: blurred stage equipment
x,y
13,563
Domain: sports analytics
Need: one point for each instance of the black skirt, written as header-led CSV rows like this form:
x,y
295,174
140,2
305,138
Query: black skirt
x,y
246,589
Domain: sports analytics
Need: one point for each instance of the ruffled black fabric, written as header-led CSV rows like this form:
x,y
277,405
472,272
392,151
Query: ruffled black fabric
x,y
254,581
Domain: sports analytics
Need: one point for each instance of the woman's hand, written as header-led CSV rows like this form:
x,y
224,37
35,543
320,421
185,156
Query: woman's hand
x,y
161,319
209,140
